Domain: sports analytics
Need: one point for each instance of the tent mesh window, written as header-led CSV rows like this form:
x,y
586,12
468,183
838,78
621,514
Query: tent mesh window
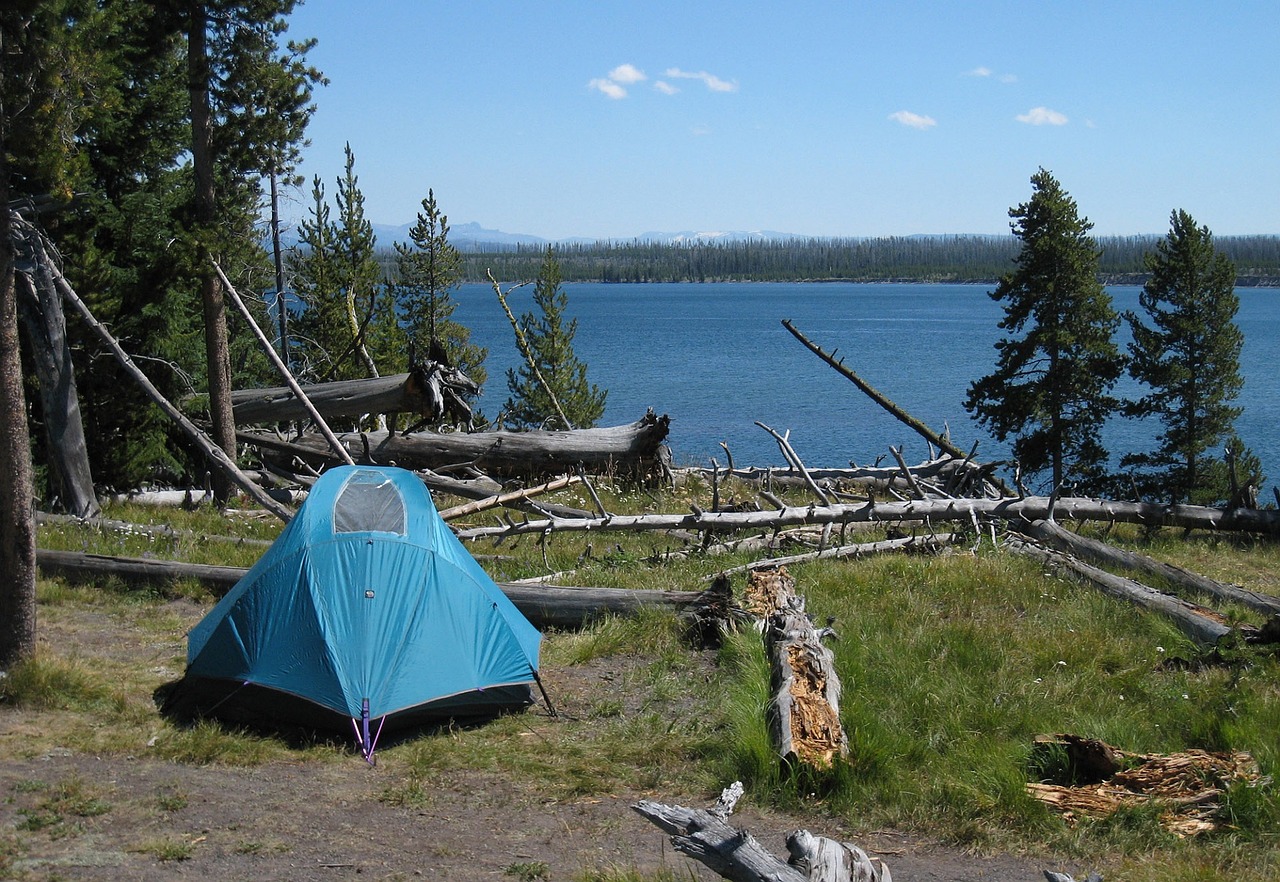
x,y
369,503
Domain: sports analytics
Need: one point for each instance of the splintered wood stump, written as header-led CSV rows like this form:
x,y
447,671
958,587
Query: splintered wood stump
x,y
804,713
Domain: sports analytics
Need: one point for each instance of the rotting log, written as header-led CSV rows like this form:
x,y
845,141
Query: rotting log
x,y
631,447
545,606
927,544
1201,624
1103,554
707,837
804,711
1014,509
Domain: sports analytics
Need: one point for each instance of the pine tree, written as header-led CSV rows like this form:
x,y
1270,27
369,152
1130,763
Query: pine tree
x,y
1051,389
550,343
1188,356
428,270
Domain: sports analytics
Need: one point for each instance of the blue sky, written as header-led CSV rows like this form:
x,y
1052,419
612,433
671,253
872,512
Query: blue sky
x,y
612,119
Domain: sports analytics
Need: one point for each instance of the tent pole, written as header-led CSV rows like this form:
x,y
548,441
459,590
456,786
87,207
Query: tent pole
x,y
543,690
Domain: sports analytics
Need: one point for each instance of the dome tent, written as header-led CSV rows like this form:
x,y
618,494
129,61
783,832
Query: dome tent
x,y
366,609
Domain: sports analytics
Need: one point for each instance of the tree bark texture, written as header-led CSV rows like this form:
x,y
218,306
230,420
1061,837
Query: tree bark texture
x,y
17,520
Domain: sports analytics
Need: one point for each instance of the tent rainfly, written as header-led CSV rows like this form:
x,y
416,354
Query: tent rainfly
x,y
366,609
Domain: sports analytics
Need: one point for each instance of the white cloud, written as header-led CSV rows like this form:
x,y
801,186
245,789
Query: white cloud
x,y
913,120
664,87
979,72
986,72
1042,116
712,82
608,87
627,74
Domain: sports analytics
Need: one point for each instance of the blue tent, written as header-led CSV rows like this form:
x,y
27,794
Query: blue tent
x,y
366,608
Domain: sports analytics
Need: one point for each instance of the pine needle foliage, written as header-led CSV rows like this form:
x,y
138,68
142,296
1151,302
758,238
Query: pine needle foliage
x,y
550,341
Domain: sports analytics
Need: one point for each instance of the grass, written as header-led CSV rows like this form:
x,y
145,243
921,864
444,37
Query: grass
x,y
951,666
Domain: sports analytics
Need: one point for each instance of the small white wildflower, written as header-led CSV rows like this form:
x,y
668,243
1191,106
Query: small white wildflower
x,y
1186,696
1159,649
1061,662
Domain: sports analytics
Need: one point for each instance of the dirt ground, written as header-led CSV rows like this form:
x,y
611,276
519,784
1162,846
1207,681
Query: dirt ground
x,y
326,820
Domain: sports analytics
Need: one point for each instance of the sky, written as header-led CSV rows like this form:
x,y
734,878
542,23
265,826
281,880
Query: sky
x,y
610,119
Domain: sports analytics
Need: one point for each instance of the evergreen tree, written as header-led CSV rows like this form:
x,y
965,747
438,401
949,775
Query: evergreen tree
x,y
1051,387
1188,356
348,323
427,271
550,345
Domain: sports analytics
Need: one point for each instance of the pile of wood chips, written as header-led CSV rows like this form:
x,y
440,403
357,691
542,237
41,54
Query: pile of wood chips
x,y
1188,784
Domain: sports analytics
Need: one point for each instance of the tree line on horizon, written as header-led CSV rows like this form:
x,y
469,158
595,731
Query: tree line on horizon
x,y
958,258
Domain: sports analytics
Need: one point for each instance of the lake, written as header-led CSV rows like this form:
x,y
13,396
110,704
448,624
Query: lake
x,y
716,359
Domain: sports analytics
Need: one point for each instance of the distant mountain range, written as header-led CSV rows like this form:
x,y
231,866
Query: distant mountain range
x,y
473,237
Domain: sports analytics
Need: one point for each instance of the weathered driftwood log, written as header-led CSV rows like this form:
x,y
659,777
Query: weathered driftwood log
x,y
804,712
1198,622
162,531
419,391
1028,508
632,447
546,606
1103,554
707,837
500,499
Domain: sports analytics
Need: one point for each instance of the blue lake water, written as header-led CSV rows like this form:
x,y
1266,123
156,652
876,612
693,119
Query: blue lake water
x,y
716,359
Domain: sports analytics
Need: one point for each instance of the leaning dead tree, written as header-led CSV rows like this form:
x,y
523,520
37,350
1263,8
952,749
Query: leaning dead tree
x,y
40,307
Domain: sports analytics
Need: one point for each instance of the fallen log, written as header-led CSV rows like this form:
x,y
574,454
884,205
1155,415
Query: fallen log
x,y
416,391
804,711
545,606
1103,554
1200,623
707,837
840,552
629,448
1015,509
163,531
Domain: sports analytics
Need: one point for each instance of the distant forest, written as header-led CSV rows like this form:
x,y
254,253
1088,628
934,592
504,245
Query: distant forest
x,y
897,258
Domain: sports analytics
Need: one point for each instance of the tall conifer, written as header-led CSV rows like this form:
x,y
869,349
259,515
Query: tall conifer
x,y
1051,389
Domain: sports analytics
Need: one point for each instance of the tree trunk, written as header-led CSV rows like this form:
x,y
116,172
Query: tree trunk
x,y
41,311
1201,624
398,393
707,837
545,606
804,713
217,347
17,522
630,448
1106,555
1027,508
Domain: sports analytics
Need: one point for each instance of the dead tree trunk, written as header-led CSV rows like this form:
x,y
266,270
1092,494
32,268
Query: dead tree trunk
x,y
1201,624
707,837
40,306
1103,554
804,713
216,454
